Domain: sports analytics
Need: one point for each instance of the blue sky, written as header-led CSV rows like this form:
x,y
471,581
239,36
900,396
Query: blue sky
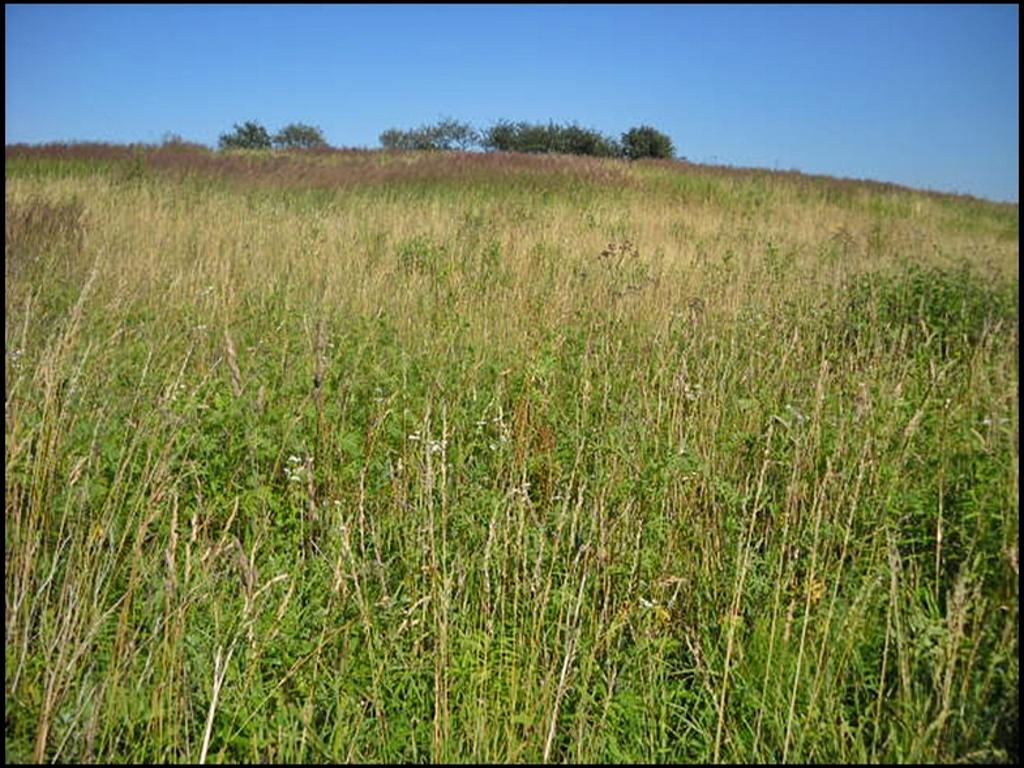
x,y
926,96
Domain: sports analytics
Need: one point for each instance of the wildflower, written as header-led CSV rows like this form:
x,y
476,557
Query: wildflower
x,y
294,469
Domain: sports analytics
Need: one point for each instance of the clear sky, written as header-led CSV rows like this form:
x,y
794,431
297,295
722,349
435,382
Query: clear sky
x,y
926,96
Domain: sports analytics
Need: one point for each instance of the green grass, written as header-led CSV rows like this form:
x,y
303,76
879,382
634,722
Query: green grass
x,y
611,463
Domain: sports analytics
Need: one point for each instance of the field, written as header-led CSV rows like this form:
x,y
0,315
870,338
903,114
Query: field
x,y
365,456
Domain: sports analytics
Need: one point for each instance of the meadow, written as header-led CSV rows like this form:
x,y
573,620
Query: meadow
x,y
376,456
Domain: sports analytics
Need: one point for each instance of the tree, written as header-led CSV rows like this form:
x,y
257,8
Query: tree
x,y
393,138
299,136
417,138
251,135
574,140
506,136
646,142
502,136
536,138
449,133
446,134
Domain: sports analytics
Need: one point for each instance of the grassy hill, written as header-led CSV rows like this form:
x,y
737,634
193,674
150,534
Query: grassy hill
x,y
372,456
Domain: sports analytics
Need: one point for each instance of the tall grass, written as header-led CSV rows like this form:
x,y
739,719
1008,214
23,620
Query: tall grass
x,y
460,458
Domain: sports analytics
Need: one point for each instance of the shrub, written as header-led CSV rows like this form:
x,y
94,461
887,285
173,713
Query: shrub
x,y
451,134
574,140
446,134
535,138
251,135
647,142
394,138
505,136
502,136
299,136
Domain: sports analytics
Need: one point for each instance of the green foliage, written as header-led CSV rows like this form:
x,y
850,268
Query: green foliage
x,y
395,138
502,136
574,140
299,136
446,134
505,136
951,309
421,254
449,133
487,472
645,141
250,135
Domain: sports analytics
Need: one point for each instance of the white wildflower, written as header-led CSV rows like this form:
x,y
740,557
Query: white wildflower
x,y
295,468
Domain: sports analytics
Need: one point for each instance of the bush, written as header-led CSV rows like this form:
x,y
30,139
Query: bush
x,y
574,140
393,138
647,142
502,136
536,138
251,135
451,134
416,138
505,136
299,136
446,134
